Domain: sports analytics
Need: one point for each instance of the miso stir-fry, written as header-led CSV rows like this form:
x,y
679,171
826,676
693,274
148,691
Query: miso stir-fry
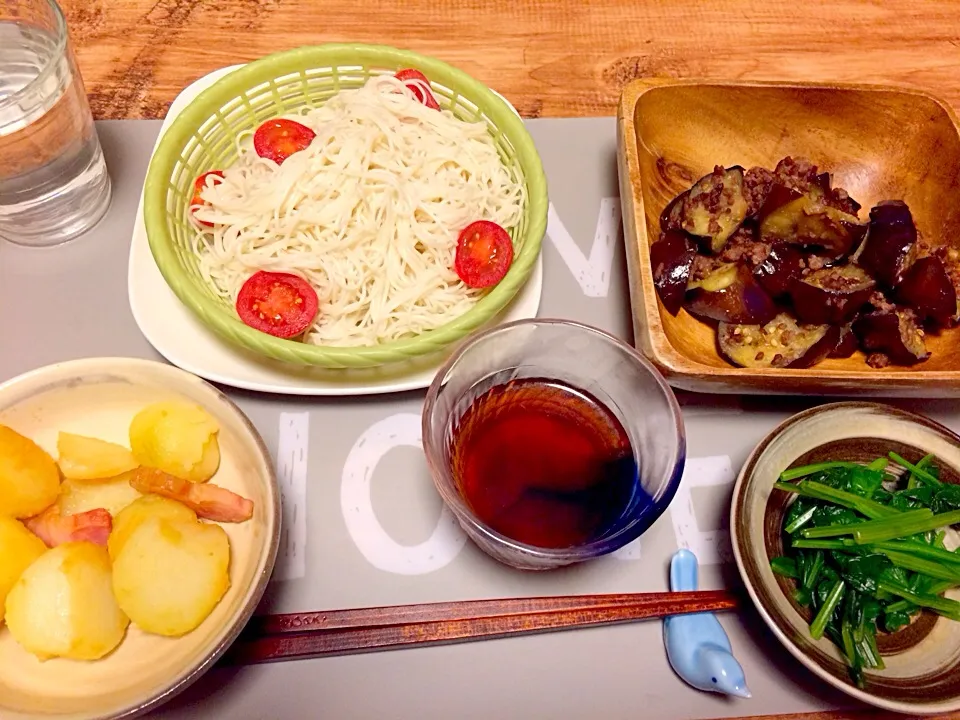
x,y
865,547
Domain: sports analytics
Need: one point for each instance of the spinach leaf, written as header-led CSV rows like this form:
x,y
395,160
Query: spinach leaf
x,y
945,498
913,499
825,515
799,514
893,621
862,572
858,480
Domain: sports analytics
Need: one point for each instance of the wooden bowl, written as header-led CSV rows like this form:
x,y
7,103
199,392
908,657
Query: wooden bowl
x,y
878,142
99,397
922,674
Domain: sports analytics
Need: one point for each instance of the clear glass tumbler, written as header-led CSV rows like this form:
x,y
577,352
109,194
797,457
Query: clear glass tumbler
x,y
53,179
580,356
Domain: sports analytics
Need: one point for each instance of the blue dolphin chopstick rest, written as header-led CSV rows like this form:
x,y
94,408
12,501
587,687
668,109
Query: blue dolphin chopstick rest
x,y
697,646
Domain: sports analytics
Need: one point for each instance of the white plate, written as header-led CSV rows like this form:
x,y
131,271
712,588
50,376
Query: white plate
x,y
183,340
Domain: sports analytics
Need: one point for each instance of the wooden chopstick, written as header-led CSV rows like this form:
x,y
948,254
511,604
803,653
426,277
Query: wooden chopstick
x,y
341,632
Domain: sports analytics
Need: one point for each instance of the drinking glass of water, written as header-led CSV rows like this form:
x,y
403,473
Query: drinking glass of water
x,y
53,179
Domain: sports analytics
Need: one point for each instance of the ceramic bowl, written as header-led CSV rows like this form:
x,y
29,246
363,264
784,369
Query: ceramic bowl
x,y
878,142
922,674
99,397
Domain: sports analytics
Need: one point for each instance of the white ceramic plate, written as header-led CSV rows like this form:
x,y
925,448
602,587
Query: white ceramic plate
x,y
183,340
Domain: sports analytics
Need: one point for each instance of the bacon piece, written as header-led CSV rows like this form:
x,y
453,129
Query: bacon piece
x,y
55,529
211,502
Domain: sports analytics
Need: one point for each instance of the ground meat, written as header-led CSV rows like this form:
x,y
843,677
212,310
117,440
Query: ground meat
x,y
712,199
841,200
877,360
703,265
879,301
743,245
801,175
815,262
798,174
757,182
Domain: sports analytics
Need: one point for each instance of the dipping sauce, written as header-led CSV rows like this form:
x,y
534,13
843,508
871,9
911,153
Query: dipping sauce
x,y
544,463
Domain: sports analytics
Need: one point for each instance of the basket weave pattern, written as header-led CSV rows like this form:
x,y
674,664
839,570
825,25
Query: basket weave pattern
x,y
204,137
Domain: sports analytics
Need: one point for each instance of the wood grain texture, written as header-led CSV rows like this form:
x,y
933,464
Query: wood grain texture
x,y
342,632
879,144
557,59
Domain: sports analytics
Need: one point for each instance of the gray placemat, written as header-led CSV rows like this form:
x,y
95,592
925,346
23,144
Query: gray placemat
x,y
372,532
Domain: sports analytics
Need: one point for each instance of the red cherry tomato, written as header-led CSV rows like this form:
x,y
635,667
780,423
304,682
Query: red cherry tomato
x,y
417,82
198,185
279,139
484,254
279,304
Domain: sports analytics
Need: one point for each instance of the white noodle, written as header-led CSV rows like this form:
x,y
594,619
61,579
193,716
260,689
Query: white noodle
x,y
369,214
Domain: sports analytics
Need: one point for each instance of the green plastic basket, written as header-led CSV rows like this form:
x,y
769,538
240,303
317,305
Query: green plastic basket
x,y
202,137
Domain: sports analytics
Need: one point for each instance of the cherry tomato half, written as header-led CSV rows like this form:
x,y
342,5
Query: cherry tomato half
x,y
279,139
417,82
279,304
198,185
484,254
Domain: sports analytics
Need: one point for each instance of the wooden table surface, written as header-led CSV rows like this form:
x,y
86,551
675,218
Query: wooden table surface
x,y
556,58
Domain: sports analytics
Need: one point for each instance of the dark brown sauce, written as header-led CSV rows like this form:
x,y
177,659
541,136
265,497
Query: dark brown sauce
x,y
544,463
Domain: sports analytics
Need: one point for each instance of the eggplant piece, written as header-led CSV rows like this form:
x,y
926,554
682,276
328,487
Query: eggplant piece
x,y
672,216
896,334
782,267
715,207
926,288
806,220
672,258
742,301
780,343
847,344
757,184
723,276
836,197
832,295
891,244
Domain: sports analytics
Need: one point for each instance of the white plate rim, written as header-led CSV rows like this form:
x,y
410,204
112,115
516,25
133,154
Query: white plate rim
x,y
262,375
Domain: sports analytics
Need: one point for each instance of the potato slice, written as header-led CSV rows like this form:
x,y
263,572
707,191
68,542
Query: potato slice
x,y
113,495
29,478
18,549
178,438
141,509
171,574
63,605
89,458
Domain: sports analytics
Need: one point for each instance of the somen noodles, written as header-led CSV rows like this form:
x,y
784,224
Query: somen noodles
x,y
368,213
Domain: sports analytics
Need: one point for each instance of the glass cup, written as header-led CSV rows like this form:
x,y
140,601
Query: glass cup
x,y
53,179
587,359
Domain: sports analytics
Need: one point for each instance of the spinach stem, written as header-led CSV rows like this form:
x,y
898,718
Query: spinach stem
x,y
818,491
802,544
915,470
924,567
804,470
923,464
944,606
935,589
908,523
826,612
919,549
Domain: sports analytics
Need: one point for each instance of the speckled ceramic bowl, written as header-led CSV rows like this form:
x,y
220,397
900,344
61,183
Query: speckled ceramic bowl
x,y
99,397
922,674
